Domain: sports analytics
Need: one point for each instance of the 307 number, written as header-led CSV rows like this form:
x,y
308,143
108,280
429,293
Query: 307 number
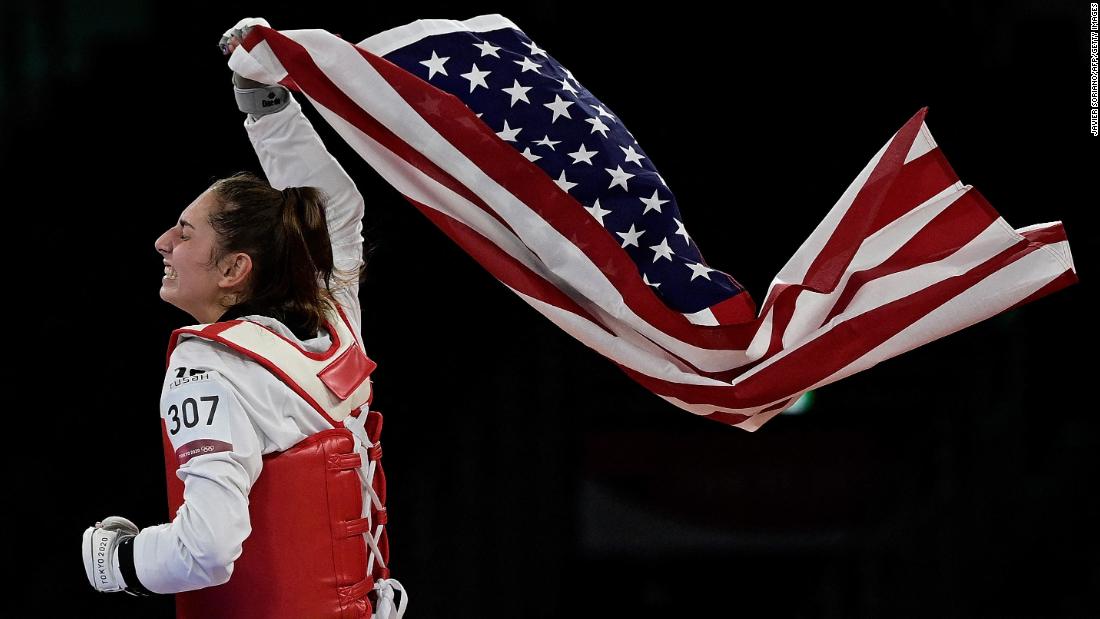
x,y
188,410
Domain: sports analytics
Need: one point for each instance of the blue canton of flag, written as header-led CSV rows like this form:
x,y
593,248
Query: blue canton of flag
x,y
537,106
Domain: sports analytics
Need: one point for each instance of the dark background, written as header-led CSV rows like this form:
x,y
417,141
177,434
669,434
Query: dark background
x,y
529,477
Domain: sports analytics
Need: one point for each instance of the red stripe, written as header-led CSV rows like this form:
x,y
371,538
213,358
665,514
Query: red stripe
x,y
865,212
448,115
949,231
503,266
832,351
914,184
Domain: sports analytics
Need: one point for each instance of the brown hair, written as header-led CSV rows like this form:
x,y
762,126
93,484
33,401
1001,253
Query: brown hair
x,y
286,235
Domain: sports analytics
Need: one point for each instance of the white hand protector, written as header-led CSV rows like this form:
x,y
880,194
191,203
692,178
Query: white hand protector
x,y
100,552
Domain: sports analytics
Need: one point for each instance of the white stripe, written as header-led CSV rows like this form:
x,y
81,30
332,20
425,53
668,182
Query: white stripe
x,y
702,317
396,38
812,307
922,144
989,297
1061,250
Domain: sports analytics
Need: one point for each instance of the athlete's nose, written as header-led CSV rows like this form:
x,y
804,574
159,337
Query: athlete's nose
x,y
162,246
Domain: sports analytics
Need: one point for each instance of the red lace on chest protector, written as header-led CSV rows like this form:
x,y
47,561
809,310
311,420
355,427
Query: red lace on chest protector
x,y
308,554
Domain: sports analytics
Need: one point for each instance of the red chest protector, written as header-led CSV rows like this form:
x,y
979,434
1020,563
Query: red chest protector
x,y
311,553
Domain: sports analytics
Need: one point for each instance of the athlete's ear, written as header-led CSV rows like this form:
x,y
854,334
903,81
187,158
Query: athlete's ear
x,y
235,269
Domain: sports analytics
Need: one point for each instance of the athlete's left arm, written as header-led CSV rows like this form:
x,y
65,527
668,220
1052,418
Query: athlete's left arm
x,y
220,455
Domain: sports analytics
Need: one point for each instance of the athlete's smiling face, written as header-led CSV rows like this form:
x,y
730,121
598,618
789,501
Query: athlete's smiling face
x,y
192,280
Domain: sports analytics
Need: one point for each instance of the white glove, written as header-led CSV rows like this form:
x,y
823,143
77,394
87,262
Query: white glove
x,y
100,552
253,98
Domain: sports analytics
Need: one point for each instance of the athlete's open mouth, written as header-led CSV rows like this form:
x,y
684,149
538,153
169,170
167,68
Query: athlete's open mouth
x,y
170,272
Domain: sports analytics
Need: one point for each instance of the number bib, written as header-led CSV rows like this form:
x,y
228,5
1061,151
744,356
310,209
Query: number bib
x,y
194,409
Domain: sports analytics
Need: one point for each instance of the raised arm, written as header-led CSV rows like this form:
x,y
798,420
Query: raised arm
x,y
293,155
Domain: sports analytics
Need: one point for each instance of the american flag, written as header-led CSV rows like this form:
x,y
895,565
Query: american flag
x,y
503,149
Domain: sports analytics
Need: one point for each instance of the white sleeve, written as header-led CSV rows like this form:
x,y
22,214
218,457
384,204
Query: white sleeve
x,y
293,155
221,456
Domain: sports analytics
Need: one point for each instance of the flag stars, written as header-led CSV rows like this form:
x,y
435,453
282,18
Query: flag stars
x,y
546,141
619,177
487,49
530,156
518,92
652,203
527,65
535,49
435,65
630,237
598,108
476,77
583,154
508,134
632,156
698,270
597,125
645,278
565,85
662,250
563,183
596,211
560,108
681,230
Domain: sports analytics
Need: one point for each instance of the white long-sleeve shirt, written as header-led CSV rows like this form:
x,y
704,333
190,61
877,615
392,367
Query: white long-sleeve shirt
x,y
256,413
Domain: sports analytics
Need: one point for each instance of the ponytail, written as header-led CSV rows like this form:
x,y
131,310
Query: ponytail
x,y
286,235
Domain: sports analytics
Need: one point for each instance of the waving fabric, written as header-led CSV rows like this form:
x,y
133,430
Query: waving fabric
x,y
503,149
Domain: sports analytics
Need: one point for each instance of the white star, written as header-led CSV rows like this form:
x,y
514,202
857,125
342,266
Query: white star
x,y
518,92
682,231
528,65
476,77
630,237
602,111
597,125
487,49
619,177
560,107
663,250
435,65
546,141
597,211
508,134
645,279
632,156
699,269
564,184
652,202
583,154
530,156
535,49
565,85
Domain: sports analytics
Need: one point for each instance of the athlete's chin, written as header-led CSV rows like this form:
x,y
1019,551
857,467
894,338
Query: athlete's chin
x,y
169,294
